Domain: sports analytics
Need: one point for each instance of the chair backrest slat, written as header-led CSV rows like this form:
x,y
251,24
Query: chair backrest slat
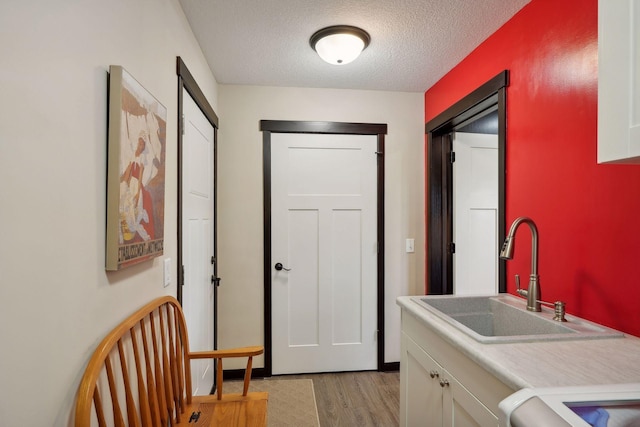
x,y
151,384
99,411
158,374
131,408
173,360
118,421
183,368
168,384
143,399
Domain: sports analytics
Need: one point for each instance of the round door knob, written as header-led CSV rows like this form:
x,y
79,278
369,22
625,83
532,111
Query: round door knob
x,y
434,374
444,382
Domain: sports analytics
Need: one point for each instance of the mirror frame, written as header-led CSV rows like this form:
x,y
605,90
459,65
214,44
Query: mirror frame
x,y
440,177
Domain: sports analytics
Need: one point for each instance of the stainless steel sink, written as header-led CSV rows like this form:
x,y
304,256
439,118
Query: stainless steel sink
x,y
503,318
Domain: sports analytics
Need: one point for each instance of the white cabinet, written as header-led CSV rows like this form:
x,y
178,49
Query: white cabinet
x,y
618,81
462,409
420,393
433,396
441,387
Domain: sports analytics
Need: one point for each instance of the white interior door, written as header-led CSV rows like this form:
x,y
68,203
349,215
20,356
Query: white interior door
x,y
198,232
324,217
475,207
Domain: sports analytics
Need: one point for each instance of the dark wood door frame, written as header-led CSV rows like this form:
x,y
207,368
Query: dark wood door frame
x,y
188,83
439,179
274,126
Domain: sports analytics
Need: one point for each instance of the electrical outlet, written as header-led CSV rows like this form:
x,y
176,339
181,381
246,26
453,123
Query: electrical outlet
x,y
167,272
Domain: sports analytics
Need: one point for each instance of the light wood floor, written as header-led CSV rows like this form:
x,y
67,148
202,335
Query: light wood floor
x,y
356,398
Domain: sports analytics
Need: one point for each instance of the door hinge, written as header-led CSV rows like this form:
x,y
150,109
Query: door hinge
x,y
182,124
181,278
452,157
213,260
452,248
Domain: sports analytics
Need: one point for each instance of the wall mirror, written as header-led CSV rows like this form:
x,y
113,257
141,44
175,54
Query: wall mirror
x,y
466,193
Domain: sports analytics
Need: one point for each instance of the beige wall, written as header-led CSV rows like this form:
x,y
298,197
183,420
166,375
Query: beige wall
x,y
240,244
56,300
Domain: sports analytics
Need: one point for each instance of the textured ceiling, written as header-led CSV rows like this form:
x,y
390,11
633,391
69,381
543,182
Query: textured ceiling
x,y
413,42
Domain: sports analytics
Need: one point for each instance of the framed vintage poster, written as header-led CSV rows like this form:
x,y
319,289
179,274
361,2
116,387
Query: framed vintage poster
x,y
135,172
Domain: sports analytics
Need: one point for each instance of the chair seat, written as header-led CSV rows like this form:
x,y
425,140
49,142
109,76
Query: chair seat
x,y
232,410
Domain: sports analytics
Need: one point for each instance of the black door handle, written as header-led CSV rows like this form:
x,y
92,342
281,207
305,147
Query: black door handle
x,y
279,267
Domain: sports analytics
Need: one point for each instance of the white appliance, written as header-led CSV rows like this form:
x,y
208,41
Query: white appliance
x,y
608,405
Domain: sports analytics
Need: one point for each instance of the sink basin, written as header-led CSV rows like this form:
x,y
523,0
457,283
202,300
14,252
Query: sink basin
x,y
504,318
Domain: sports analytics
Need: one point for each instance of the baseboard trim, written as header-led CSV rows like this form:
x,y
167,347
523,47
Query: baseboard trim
x,y
390,366
235,374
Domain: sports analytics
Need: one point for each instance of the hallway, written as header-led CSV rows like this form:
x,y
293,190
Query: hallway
x,y
361,399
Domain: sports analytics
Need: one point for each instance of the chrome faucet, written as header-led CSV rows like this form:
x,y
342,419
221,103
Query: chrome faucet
x,y
533,292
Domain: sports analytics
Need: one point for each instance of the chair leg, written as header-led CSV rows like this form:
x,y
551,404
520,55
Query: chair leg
x,y
219,379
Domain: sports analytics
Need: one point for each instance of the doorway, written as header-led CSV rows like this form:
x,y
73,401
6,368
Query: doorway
x,y
197,235
441,246
273,274
476,209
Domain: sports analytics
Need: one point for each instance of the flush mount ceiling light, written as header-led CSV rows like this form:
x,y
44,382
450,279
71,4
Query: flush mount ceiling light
x,y
339,44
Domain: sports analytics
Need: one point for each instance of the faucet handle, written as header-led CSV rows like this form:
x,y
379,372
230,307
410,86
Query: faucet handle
x,y
519,290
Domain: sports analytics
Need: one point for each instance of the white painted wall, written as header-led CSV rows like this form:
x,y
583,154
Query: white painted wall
x,y
240,201
56,300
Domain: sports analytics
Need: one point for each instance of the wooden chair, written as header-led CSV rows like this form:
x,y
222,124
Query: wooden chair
x,y
140,376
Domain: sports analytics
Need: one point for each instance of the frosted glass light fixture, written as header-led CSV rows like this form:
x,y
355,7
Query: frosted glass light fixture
x,y
339,44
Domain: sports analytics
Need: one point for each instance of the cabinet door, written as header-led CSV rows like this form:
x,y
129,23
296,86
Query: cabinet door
x,y
618,81
461,408
420,394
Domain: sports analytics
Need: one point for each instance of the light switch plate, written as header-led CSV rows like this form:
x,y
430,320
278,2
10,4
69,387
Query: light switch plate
x,y
410,246
167,272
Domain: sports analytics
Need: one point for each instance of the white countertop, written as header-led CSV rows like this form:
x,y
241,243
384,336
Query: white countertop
x,y
542,364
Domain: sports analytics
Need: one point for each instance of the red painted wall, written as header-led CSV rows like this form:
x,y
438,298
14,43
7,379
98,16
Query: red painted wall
x,y
588,215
